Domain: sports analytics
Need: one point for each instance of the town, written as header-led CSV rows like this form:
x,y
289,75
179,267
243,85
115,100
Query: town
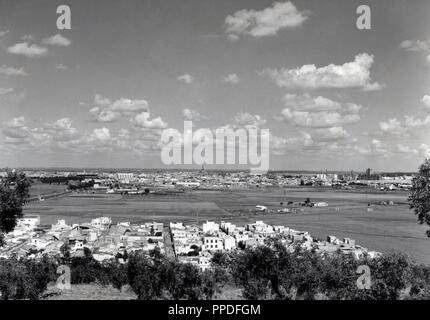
x,y
194,244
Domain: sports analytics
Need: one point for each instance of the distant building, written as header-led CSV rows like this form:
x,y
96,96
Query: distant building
x,y
124,177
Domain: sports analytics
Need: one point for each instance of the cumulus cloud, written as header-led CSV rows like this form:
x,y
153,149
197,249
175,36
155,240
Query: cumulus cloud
x,y
416,45
232,78
142,120
318,112
57,40
12,71
233,37
186,78
331,134
60,66
426,101
354,74
192,115
27,37
306,102
394,127
266,22
104,115
421,46
62,136
318,119
16,131
102,134
27,50
424,150
3,33
105,110
5,91
412,122
246,119
128,106
400,148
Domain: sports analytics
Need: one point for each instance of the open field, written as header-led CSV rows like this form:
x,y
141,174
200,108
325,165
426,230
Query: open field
x,y
386,228
45,188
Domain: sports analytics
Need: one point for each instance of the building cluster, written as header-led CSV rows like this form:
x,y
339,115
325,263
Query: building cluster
x,y
102,238
138,182
196,245
193,244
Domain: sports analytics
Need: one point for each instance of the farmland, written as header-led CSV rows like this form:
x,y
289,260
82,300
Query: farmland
x,y
383,229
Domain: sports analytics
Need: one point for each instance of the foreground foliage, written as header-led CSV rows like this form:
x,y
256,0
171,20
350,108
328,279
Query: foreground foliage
x,y
264,272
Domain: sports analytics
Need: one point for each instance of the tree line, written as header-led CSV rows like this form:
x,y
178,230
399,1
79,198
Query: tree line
x,y
266,272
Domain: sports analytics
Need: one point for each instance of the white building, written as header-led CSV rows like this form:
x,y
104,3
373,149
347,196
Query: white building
x,y
102,223
29,221
229,243
213,243
210,227
125,177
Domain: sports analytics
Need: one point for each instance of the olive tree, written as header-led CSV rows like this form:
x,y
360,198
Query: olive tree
x,y
14,192
419,197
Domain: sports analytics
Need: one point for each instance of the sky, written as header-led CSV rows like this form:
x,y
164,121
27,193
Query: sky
x,y
100,94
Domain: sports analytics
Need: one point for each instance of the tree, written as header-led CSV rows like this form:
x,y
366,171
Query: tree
x,y
419,197
25,279
65,251
14,192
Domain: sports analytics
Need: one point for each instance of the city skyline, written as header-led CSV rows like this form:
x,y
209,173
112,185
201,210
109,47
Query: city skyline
x,y
100,94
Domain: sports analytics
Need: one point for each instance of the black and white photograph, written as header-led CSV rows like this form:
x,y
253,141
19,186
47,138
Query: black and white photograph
x,y
239,152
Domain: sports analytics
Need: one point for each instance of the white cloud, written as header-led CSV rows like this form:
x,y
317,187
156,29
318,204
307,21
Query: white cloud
x,y
60,66
99,100
61,136
319,112
102,134
306,102
3,33
331,134
57,40
16,131
192,115
233,37
12,71
104,115
16,122
5,91
392,127
412,122
416,45
127,106
266,22
324,119
426,101
246,119
354,74
405,149
27,50
232,78
107,111
27,37
142,120
424,149
186,78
